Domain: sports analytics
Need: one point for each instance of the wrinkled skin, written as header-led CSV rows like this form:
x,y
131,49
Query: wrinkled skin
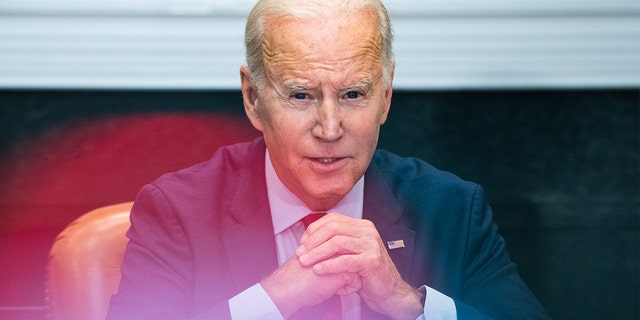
x,y
320,112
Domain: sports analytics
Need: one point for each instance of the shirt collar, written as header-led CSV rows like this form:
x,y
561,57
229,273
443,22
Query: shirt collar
x,y
287,208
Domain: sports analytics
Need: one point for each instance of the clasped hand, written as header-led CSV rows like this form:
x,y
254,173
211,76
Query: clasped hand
x,y
341,255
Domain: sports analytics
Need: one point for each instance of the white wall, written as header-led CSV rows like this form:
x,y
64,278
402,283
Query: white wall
x,y
439,44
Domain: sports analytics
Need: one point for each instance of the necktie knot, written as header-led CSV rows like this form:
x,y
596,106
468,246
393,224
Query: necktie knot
x,y
311,218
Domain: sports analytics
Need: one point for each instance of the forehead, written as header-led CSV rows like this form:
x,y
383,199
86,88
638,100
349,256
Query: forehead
x,y
339,43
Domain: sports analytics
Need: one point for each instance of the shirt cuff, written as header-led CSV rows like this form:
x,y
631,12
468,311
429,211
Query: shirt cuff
x,y
438,306
253,303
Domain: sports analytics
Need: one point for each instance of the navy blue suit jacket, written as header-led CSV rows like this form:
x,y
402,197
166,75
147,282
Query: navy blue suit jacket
x,y
202,235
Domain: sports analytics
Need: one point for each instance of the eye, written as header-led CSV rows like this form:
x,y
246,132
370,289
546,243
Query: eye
x,y
353,95
300,96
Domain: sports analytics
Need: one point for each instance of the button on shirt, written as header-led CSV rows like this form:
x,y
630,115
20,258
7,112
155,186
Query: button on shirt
x,y
286,212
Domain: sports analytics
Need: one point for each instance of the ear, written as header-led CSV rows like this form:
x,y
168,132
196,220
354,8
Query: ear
x,y
388,93
250,98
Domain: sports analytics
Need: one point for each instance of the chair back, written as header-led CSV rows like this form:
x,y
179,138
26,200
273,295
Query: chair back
x,y
83,269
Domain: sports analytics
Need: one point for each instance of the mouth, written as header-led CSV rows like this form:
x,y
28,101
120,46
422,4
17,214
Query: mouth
x,y
328,163
326,160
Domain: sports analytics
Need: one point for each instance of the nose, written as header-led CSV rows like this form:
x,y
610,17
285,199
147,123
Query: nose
x,y
328,126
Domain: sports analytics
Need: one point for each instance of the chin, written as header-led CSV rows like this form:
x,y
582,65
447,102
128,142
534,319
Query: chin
x,y
329,196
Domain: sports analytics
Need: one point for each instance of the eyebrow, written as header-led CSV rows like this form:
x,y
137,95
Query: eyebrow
x,y
295,86
365,83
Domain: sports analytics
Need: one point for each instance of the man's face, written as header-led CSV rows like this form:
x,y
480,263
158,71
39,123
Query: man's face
x,y
322,105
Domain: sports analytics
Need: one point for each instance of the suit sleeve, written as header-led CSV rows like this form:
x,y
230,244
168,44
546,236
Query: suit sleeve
x,y
157,266
492,288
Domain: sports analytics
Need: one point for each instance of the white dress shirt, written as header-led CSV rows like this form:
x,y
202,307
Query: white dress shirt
x,y
286,212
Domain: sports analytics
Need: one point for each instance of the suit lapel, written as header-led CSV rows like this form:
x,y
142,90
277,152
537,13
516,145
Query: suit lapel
x,y
386,213
383,209
247,231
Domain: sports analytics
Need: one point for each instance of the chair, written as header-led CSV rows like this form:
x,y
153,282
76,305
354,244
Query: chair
x,y
83,270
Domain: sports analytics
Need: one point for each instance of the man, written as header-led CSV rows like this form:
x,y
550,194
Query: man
x,y
401,240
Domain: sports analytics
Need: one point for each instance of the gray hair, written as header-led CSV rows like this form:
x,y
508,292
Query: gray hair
x,y
255,29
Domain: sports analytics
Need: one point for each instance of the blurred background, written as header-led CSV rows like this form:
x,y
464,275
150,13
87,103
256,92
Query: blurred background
x,y
538,101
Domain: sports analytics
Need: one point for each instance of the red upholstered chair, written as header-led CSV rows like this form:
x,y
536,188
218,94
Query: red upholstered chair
x,y
83,270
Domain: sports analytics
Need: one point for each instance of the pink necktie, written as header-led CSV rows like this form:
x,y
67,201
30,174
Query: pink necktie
x,y
311,218
330,309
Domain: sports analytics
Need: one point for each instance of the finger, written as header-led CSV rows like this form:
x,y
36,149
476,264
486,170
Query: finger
x,y
333,225
351,263
334,219
353,284
292,286
336,246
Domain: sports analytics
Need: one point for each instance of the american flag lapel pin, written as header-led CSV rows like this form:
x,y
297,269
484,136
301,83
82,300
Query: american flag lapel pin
x,y
395,244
